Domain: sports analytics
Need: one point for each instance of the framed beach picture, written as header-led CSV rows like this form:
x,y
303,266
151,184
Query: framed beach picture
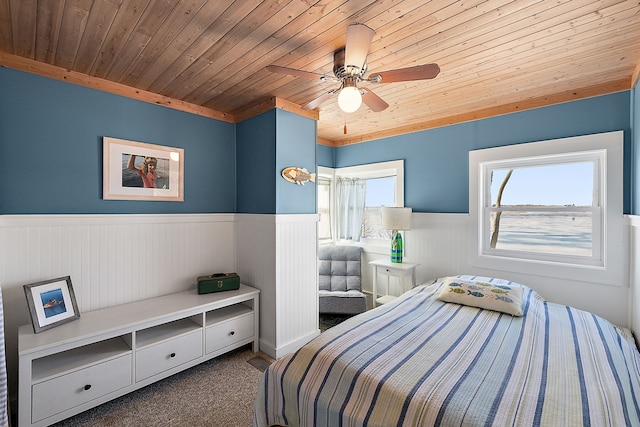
x,y
51,303
140,171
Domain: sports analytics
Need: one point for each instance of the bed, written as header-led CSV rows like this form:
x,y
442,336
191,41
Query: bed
x,y
423,361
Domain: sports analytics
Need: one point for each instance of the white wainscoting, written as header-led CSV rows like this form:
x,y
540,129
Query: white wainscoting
x,y
112,259
434,241
278,255
438,242
297,280
634,276
255,243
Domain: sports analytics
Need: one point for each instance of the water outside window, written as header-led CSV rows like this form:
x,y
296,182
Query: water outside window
x,y
544,209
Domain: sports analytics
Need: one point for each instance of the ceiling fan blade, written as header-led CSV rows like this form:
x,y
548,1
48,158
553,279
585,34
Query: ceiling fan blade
x,y
319,100
359,38
373,101
294,72
419,72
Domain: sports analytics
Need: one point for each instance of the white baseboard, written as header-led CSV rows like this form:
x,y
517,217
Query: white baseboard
x,y
288,348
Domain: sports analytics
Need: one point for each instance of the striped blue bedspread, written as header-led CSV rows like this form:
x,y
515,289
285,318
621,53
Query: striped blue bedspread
x,y
421,362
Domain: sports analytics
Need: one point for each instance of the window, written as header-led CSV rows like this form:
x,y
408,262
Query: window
x,y
350,198
324,209
556,203
379,192
544,208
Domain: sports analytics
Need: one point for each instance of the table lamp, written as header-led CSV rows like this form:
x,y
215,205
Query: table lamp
x,y
396,219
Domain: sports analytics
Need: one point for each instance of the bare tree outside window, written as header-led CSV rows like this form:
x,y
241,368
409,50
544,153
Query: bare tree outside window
x,y
497,215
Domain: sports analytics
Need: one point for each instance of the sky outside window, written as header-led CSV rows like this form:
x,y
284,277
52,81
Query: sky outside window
x,y
380,192
550,185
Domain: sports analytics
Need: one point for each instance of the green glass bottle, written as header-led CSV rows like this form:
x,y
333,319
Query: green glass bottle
x,y
396,247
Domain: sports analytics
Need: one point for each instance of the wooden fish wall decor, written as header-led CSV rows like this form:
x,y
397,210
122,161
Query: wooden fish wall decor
x,y
298,175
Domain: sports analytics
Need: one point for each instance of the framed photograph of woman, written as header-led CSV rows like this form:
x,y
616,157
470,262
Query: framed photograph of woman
x,y
140,171
51,303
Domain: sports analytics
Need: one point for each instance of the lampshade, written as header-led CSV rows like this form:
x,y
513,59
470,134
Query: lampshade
x,y
349,99
396,218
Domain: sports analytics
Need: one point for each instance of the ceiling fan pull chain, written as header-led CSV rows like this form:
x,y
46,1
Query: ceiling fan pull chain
x,y
345,124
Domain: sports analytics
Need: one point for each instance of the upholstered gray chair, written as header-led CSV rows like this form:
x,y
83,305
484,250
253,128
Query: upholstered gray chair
x,y
340,280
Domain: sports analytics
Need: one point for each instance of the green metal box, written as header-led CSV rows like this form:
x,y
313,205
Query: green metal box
x,y
218,282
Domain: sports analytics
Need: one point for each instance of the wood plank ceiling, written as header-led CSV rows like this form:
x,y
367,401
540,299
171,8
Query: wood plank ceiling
x,y
496,56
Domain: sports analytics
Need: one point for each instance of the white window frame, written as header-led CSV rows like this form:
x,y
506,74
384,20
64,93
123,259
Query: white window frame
x,y
607,263
595,157
329,173
367,171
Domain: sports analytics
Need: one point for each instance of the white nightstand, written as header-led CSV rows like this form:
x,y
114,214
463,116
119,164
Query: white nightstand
x,y
401,270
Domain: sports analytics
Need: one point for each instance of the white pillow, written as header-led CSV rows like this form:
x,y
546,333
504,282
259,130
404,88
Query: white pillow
x,y
496,297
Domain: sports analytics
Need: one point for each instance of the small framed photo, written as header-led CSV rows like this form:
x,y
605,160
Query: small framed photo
x,y
140,171
51,303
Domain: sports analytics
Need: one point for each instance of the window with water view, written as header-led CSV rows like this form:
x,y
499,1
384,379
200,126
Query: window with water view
x,y
546,209
551,208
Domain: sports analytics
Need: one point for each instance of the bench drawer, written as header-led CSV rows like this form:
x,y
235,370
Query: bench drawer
x,y
70,390
166,355
229,332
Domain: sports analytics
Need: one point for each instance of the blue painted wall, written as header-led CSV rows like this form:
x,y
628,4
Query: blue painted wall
x,y
256,159
326,156
635,125
51,149
266,144
437,160
296,136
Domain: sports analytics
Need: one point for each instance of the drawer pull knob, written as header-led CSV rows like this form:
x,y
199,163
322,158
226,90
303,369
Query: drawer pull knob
x,y
232,333
87,387
172,355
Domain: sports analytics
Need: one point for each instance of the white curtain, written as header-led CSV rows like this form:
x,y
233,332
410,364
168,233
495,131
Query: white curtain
x,y
350,200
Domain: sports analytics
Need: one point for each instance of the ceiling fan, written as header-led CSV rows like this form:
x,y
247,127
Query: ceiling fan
x,y
349,66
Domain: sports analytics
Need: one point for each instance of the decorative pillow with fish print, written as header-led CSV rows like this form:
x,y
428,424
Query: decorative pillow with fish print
x,y
496,297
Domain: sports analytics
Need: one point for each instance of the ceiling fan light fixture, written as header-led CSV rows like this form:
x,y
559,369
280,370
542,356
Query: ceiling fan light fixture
x,y
349,66
350,98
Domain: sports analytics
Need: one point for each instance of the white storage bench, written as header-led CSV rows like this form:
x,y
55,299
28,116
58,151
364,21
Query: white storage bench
x,y
110,352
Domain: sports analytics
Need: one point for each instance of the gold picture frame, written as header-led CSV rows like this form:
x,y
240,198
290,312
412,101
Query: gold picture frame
x,y
140,171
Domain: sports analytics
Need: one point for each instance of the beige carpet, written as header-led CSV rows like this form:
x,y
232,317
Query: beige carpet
x,y
219,392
